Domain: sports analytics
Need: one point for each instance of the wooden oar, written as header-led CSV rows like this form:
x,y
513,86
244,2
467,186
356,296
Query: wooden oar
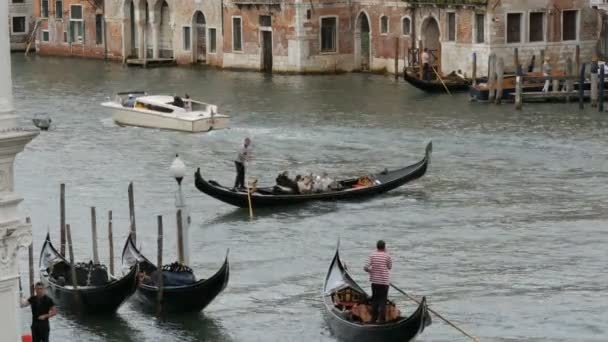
x,y
436,314
251,187
445,86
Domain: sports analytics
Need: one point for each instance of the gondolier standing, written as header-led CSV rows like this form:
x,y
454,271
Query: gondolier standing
x,y
43,308
378,266
243,156
426,65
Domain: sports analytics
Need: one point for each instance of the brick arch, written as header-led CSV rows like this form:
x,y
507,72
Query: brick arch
x,y
363,41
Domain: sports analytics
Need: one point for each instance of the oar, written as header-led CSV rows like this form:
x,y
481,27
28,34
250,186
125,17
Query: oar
x,y
249,188
436,314
445,86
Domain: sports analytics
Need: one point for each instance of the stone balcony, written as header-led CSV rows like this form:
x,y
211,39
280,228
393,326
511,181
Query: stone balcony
x,y
443,3
255,2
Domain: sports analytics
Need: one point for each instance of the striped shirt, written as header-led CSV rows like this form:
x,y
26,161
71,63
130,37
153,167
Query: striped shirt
x,y
378,266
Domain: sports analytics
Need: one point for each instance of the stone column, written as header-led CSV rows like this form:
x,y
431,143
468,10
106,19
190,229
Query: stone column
x,y
155,22
13,233
140,22
297,45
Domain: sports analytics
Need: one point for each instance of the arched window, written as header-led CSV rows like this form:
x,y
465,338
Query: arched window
x,y
406,26
384,24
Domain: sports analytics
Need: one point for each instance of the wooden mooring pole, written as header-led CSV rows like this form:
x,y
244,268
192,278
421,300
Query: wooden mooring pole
x,y
569,82
500,68
492,78
577,57
62,219
111,241
474,76
581,88
94,235
133,229
30,252
396,57
159,268
600,105
518,90
594,80
516,58
68,234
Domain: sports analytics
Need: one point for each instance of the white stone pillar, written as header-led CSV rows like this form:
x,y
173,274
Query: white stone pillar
x,y
140,22
297,47
155,23
13,233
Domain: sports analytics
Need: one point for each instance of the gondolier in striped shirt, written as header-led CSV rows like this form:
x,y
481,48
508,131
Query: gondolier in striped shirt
x,y
378,266
244,155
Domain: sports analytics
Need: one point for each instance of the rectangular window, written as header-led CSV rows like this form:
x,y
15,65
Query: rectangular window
x,y
65,36
265,21
480,23
514,28
76,24
451,26
212,43
187,38
328,34
18,25
59,9
98,29
406,26
537,27
236,34
45,36
384,25
18,1
44,8
569,25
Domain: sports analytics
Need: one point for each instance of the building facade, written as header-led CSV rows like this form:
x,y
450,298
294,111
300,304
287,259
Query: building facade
x,y
318,35
21,22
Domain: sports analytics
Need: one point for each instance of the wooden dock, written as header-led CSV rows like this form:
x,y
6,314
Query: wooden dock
x,y
151,62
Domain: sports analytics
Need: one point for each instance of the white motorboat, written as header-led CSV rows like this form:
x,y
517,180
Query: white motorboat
x,y
165,112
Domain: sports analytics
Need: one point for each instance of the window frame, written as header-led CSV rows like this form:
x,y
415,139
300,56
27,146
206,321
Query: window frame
x,y
209,50
17,1
99,39
25,25
388,23
240,50
476,28
184,36
522,28
447,19
337,33
409,26
48,36
48,13
60,16
576,24
81,21
529,27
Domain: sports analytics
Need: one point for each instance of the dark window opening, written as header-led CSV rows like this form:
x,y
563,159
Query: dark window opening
x,y
98,29
480,21
569,25
236,34
328,34
514,28
537,27
406,26
18,24
265,21
212,43
44,8
384,24
58,9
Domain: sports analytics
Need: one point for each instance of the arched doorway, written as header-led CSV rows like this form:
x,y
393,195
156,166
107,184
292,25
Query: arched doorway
x,y
166,33
130,32
362,42
430,36
200,33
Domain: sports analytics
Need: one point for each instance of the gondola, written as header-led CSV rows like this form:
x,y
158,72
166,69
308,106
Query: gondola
x,y
435,86
341,295
181,292
268,197
97,291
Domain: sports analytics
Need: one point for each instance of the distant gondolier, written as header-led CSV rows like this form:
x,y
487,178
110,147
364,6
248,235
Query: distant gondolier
x,y
43,308
243,156
378,266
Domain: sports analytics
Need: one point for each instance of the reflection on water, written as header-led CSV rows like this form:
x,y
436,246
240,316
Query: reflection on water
x,y
507,229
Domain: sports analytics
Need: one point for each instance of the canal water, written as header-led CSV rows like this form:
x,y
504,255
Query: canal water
x,y
505,235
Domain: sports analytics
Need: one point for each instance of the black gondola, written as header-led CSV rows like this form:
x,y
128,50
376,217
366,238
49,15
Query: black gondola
x,y
179,296
268,197
341,293
97,291
435,86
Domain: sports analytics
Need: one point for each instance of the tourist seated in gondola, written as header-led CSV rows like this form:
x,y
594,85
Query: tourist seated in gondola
x,y
363,182
286,184
305,185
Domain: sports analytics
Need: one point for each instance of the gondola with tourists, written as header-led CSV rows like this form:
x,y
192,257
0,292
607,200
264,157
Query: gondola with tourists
x,y
95,290
346,305
181,292
352,188
451,83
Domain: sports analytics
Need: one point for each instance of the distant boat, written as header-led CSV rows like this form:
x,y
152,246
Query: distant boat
x,y
454,84
42,121
165,112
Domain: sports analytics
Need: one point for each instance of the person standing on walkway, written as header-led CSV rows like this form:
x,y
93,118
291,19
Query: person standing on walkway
x,y
243,156
43,308
378,266
546,72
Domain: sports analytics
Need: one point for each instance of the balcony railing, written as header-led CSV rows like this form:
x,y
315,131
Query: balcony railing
x,y
256,2
449,2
